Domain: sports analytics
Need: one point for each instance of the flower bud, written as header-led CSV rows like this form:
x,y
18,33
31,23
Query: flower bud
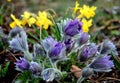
x,y
49,75
19,43
68,43
35,68
73,27
48,43
83,38
108,47
22,64
57,50
102,64
15,31
87,72
39,50
87,52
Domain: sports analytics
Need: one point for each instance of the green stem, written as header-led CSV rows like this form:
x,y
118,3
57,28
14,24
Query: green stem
x,y
58,71
80,79
27,81
53,66
27,53
40,33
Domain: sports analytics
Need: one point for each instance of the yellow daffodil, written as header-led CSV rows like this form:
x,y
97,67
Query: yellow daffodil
x,y
42,20
31,21
16,22
76,7
26,15
9,0
27,18
86,24
87,11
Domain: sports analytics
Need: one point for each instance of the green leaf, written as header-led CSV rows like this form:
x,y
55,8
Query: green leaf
x,y
58,33
0,68
4,70
45,33
23,77
1,20
27,77
115,32
31,40
36,30
116,62
55,32
34,36
2,7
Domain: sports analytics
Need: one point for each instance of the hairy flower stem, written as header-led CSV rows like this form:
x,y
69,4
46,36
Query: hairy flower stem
x,y
40,33
80,79
27,53
53,66
58,71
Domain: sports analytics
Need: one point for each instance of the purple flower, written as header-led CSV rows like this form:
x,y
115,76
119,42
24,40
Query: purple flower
x,y
39,49
15,31
35,68
102,64
108,47
87,52
19,43
87,72
48,75
57,50
73,27
48,43
22,64
68,43
83,38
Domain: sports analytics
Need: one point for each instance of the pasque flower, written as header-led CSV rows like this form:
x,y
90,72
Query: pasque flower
x,y
49,74
84,37
57,50
87,52
108,47
35,68
22,64
48,43
68,43
19,43
73,27
15,31
86,73
39,50
102,64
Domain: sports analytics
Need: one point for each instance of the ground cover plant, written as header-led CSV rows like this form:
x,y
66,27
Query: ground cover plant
x,y
45,48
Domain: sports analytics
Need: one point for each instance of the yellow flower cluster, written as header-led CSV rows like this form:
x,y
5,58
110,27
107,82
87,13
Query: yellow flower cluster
x,y
87,11
40,20
9,0
85,14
